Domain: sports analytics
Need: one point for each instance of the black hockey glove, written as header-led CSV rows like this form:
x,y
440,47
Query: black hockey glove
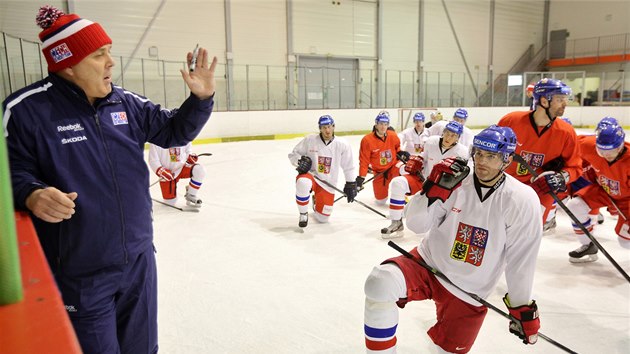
x,y
304,164
403,156
350,190
554,165
360,181
548,182
446,176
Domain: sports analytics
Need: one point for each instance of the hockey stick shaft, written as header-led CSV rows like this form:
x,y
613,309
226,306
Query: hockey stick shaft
x,y
477,298
163,203
521,160
344,194
367,181
616,207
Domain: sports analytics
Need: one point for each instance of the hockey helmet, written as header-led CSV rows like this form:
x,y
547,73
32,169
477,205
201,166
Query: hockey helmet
x,y
326,120
547,88
454,127
460,113
382,117
606,121
497,140
418,117
610,137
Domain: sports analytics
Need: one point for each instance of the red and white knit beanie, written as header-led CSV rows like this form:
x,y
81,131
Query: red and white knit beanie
x,y
67,39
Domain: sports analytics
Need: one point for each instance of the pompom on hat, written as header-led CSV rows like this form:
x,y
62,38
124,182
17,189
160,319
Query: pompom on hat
x,y
67,39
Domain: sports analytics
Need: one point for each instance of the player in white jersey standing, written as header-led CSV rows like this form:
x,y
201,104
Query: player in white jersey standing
x,y
478,226
173,164
412,139
322,155
460,116
436,149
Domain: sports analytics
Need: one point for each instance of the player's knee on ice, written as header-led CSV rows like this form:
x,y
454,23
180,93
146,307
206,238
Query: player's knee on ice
x,y
386,283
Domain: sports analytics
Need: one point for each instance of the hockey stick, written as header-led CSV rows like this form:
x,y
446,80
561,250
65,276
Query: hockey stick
x,y
368,180
521,160
344,194
487,304
615,205
192,209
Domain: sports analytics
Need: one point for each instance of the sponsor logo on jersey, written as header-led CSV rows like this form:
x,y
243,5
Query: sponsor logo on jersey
x,y
470,244
535,160
119,118
60,52
74,139
71,308
455,210
70,127
323,164
610,186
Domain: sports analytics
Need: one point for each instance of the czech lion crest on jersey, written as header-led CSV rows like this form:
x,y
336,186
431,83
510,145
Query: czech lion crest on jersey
x,y
610,186
470,244
385,157
323,164
535,160
173,154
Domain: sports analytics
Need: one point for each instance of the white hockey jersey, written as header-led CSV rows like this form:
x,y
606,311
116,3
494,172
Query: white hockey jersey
x,y
327,159
474,242
411,141
173,158
465,139
432,153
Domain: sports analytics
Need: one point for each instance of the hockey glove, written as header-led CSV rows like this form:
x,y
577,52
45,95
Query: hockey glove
x,y
549,181
304,165
525,322
192,159
165,174
350,190
554,165
414,166
360,181
445,177
403,156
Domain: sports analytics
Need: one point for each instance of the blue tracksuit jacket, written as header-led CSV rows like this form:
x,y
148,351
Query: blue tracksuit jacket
x,y
56,138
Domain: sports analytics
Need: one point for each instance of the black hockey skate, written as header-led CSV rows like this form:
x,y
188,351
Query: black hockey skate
x,y
394,230
586,253
600,218
303,220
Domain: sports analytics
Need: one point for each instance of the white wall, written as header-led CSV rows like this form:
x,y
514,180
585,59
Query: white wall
x,y
257,123
586,19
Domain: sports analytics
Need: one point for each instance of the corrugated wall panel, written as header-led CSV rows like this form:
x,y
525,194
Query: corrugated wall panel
x,y
517,25
400,35
586,19
259,32
470,20
17,18
325,28
365,24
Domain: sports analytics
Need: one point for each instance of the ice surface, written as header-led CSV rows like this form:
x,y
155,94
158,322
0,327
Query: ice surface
x,y
242,277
